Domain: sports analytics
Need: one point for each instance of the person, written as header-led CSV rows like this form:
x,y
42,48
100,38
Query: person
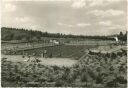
x,y
42,54
28,58
37,60
23,55
50,55
116,39
60,54
45,52
87,51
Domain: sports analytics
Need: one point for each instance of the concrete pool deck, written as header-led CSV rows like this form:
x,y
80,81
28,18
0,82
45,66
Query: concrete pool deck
x,y
45,61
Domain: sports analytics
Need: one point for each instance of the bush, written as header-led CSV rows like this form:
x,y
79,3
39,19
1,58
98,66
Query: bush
x,y
88,70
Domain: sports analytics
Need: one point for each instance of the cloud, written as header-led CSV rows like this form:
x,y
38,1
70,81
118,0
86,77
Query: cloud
x,y
102,2
117,27
60,24
105,23
9,7
23,19
83,24
78,4
114,12
110,25
63,24
96,3
66,17
91,3
36,27
27,22
77,25
38,0
112,1
106,13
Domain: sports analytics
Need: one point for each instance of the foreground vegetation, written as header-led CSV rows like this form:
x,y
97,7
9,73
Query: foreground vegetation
x,y
90,71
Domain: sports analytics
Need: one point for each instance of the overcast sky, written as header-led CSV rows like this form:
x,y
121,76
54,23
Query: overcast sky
x,y
87,17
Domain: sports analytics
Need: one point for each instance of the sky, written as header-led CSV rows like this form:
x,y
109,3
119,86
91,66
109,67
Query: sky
x,y
79,17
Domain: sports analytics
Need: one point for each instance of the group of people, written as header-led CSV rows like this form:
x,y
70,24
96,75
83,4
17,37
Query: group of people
x,y
29,57
34,57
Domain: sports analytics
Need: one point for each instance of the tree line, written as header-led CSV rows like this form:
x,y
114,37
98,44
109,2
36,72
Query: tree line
x,y
8,34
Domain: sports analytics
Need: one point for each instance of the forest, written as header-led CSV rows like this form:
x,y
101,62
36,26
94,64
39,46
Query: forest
x,y
8,34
